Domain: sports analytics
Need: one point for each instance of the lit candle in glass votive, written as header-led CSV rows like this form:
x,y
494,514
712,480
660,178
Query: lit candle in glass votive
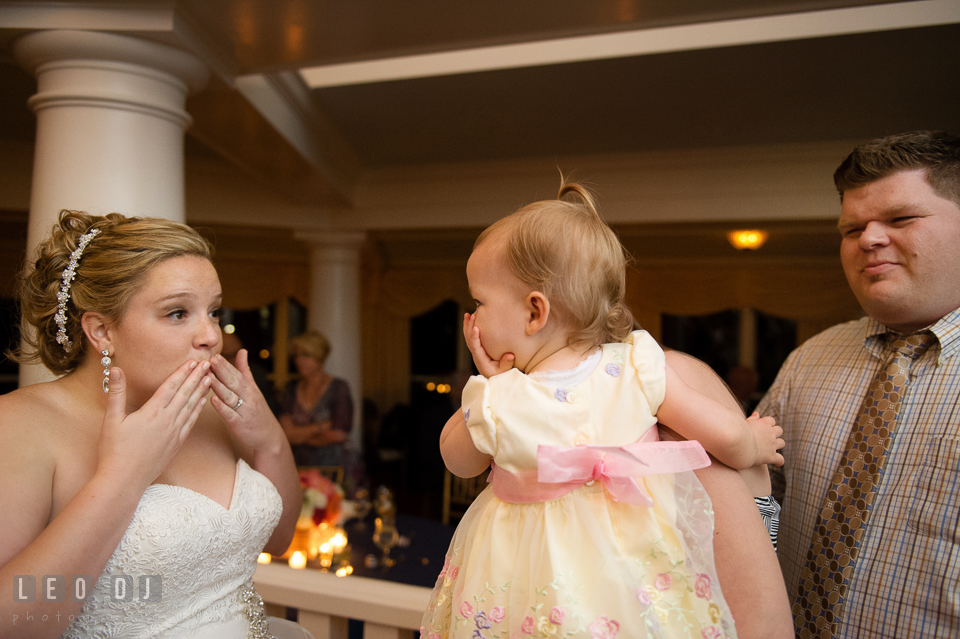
x,y
326,555
338,541
298,560
264,558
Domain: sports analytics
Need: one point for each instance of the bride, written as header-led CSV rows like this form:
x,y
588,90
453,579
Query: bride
x,y
128,468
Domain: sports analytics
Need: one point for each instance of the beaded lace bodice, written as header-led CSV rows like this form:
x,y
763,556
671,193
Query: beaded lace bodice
x,y
205,554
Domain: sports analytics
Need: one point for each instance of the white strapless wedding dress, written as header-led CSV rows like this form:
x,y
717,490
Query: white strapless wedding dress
x,y
204,554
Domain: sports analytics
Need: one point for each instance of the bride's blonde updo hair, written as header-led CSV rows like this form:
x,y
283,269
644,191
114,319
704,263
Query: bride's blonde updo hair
x,y
110,271
565,250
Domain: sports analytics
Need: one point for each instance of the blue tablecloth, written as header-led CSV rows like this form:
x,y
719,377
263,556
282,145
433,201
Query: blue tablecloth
x,y
417,564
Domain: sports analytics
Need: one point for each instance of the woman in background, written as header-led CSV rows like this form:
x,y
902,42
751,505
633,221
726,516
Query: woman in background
x,y
316,411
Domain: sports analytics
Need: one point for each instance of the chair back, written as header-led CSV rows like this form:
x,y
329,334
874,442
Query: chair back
x,y
333,473
459,493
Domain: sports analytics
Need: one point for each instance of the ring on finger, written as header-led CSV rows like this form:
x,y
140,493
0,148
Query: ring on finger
x,y
239,403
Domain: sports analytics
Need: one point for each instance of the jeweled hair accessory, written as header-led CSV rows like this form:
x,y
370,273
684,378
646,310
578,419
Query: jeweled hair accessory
x,y
64,295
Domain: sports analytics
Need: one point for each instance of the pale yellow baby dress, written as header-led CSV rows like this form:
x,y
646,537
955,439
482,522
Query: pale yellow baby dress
x,y
565,558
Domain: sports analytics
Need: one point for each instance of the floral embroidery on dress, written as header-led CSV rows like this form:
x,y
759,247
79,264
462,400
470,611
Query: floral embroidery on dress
x,y
662,598
613,369
466,414
527,626
662,582
603,628
702,586
715,614
553,619
667,587
481,620
561,394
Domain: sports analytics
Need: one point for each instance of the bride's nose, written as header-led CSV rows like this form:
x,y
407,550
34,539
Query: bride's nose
x,y
208,335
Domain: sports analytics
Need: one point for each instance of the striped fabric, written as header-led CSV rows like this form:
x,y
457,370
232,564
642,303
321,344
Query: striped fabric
x,y
907,579
770,511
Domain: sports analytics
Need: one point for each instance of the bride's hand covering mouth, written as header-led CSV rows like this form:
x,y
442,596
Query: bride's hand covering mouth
x,y
239,402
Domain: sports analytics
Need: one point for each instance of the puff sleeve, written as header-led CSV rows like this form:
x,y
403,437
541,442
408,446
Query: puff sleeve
x,y
648,360
478,415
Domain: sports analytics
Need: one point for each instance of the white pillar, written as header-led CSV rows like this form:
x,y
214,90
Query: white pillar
x,y
335,308
110,122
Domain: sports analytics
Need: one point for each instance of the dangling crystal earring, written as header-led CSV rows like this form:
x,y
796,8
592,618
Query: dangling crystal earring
x,y
105,361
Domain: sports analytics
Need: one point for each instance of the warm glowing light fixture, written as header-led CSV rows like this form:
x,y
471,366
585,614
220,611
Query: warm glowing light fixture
x,y
747,239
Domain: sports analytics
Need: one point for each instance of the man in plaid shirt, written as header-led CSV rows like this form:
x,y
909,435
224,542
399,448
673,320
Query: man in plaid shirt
x,y
900,227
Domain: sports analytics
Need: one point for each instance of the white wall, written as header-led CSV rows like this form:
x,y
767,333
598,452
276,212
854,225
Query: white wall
x,y
748,183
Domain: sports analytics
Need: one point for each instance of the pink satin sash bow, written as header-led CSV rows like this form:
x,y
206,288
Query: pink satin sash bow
x,y
561,469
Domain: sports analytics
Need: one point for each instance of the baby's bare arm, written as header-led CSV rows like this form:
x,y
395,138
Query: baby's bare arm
x,y
700,376
459,453
738,442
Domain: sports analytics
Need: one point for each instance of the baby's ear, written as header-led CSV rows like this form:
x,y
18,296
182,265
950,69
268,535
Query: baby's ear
x,y
538,312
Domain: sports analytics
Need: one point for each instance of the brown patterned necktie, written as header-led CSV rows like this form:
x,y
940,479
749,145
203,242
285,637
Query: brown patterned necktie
x,y
846,507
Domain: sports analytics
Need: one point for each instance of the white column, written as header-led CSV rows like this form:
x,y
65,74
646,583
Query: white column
x,y
335,308
110,122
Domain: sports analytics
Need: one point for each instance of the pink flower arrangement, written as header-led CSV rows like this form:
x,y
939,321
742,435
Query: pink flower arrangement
x,y
603,628
497,614
527,626
321,498
466,609
663,581
557,615
702,586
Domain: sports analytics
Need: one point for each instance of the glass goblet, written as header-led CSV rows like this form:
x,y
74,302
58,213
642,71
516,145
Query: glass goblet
x,y
385,536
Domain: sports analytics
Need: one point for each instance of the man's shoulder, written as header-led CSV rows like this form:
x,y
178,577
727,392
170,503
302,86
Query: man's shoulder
x,y
837,336
831,347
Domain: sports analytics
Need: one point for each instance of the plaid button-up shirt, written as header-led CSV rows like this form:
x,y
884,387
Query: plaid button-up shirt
x,y
907,577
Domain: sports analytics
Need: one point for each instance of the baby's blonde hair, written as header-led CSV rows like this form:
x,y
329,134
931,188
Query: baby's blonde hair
x,y
565,250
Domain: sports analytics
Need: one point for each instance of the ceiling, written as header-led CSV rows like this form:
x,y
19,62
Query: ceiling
x,y
535,78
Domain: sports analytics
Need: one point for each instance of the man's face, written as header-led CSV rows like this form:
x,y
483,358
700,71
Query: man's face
x,y
901,250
